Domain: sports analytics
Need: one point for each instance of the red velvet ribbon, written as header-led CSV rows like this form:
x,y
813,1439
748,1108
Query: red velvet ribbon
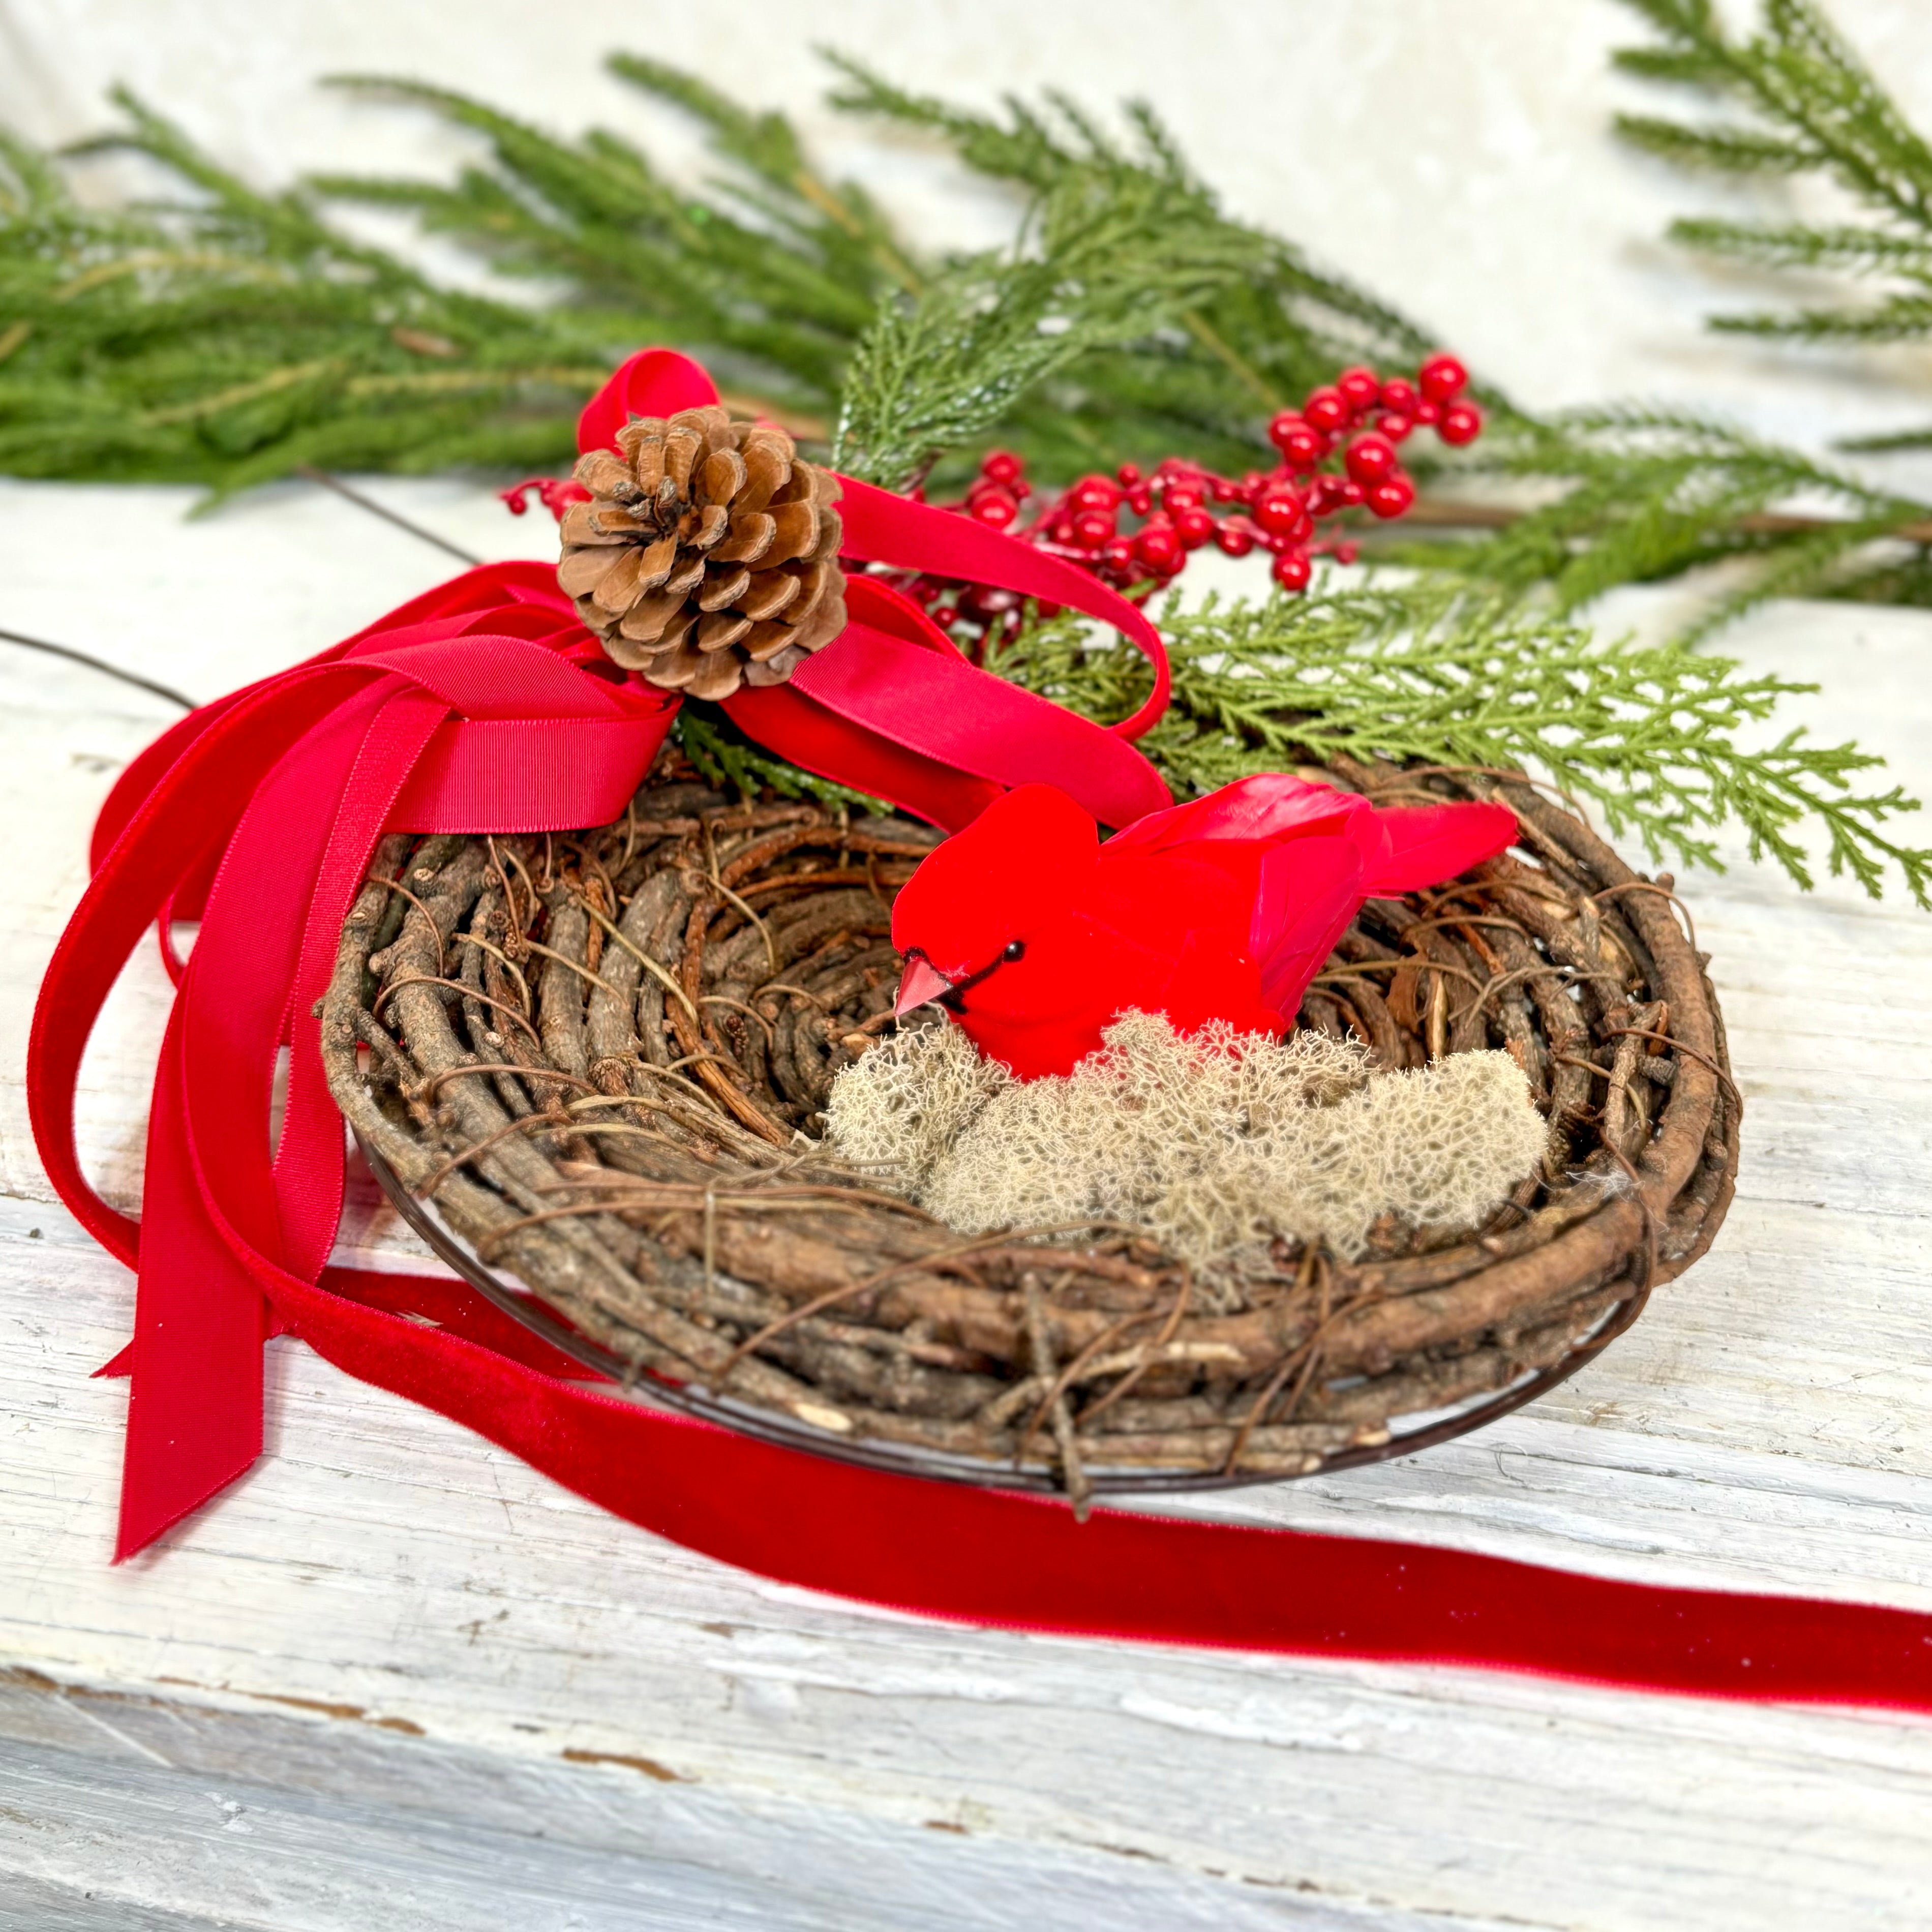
x,y
483,706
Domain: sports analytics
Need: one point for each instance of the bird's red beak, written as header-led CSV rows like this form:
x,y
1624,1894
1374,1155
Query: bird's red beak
x,y
921,981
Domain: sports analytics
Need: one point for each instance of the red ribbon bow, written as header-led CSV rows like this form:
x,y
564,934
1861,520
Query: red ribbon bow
x,y
484,706
890,706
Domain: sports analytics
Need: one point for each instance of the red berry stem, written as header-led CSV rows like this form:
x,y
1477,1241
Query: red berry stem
x,y
556,493
1336,454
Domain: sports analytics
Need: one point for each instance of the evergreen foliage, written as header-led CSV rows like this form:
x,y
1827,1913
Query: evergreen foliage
x,y
221,335
724,756
770,273
1132,319
1105,261
1652,735
225,336
1204,385
1794,98
1653,494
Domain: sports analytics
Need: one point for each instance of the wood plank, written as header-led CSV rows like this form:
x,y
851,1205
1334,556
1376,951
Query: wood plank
x,y
203,1816
389,1610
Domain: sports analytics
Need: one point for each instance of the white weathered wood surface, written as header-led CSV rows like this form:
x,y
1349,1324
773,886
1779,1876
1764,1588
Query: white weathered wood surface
x,y
395,1677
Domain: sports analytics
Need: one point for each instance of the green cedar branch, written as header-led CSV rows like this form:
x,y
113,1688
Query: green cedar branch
x,y
1651,494
1652,735
1106,258
218,334
723,756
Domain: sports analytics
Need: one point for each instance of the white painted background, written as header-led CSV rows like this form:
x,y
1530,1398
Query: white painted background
x,y
394,1678
1450,154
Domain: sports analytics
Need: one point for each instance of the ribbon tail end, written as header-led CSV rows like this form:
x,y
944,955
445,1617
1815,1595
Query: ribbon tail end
x,y
152,1501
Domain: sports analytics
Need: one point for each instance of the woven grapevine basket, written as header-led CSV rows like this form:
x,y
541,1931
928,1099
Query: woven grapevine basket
x,y
589,1071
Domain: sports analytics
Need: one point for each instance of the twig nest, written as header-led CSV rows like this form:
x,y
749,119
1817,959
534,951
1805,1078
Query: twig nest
x,y
631,1134
708,555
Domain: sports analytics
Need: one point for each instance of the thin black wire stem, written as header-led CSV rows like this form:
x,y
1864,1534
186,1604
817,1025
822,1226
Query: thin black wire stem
x,y
349,493
343,490
101,664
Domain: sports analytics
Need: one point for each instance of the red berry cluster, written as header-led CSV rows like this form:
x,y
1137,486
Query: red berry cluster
x,y
1181,506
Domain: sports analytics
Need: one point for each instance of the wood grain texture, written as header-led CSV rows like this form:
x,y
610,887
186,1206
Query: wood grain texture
x,y
416,1670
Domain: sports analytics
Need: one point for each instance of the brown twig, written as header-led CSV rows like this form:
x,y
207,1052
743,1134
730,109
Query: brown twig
x,y
456,986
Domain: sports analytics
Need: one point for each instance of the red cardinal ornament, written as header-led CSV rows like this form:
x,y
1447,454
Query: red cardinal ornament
x,y
1034,935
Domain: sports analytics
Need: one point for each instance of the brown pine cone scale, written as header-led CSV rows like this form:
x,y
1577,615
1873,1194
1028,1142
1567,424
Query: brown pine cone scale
x,y
708,554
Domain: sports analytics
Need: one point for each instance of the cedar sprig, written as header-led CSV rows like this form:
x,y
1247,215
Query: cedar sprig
x,y
1653,494
768,273
1106,257
1324,319
1656,736
1247,347
723,756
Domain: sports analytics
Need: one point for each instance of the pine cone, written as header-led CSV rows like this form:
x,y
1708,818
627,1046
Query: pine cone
x,y
709,554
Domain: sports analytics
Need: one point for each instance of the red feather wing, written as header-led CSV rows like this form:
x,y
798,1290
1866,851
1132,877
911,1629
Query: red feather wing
x,y
1309,890
1268,806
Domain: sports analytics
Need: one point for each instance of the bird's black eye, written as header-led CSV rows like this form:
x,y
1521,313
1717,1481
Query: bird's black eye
x,y
1015,949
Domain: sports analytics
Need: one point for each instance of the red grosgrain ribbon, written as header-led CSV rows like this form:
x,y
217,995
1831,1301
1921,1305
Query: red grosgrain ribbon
x,y
286,788
483,706
890,706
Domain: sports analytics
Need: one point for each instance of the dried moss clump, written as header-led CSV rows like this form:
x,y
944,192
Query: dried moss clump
x,y
1218,1144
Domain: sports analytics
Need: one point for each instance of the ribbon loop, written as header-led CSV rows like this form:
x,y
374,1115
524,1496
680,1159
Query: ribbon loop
x,y
482,706
881,528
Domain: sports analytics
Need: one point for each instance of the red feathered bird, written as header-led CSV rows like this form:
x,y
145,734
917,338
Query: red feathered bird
x,y
1035,935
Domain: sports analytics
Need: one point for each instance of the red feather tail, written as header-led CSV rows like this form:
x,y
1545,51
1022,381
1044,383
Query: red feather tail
x,y
1269,805
1311,887
1425,844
